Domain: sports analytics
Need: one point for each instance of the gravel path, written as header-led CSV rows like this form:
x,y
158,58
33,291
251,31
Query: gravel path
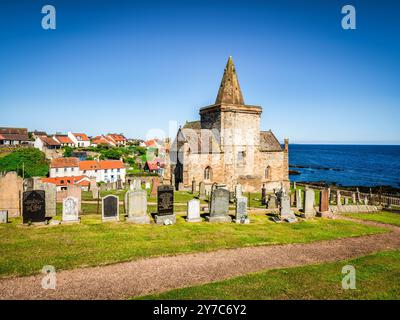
x,y
152,275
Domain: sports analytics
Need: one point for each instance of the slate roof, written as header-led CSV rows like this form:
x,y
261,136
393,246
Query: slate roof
x,y
268,142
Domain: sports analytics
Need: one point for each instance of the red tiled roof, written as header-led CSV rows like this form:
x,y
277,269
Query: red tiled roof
x,y
64,162
81,137
153,165
102,140
151,143
64,181
101,165
117,137
49,141
64,139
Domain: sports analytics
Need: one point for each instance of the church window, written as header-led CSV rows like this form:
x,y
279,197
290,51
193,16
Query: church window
x,y
268,173
241,157
208,173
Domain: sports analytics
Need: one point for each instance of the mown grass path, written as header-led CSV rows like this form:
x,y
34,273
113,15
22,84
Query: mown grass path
x,y
154,275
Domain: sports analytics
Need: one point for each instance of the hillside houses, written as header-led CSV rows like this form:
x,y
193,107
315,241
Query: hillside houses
x,y
102,170
14,136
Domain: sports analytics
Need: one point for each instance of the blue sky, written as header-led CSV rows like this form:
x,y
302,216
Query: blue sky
x,y
131,66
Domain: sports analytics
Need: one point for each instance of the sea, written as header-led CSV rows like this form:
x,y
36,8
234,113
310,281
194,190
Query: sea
x,y
346,165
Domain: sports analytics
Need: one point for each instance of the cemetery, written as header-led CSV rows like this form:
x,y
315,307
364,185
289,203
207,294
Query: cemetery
x,y
108,226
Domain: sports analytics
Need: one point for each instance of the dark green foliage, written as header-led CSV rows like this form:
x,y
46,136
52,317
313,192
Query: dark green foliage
x,y
31,161
68,151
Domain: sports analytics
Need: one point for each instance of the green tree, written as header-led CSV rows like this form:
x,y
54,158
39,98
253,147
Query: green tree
x,y
28,160
112,154
68,151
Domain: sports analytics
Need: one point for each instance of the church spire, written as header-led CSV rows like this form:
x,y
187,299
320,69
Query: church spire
x,y
229,90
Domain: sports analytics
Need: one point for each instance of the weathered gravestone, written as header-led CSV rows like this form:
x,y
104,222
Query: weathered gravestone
x,y
353,198
70,211
292,199
324,203
136,185
110,210
309,198
136,207
238,191
346,200
3,216
194,186
338,198
154,187
241,211
285,212
120,185
95,193
93,184
75,192
165,205
147,185
34,207
272,201
219,206
11,188
50,190
202,190
193,211
299,201
263,195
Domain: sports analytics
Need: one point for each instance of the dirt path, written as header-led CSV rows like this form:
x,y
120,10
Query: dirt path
x,y
145,276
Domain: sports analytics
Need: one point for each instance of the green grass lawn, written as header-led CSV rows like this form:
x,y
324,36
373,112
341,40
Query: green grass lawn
x,y
381,216
25,250
377,277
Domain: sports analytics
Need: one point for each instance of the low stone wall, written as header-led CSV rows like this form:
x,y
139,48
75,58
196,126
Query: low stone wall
x,y
354,208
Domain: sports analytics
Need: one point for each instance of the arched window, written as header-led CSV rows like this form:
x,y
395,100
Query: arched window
x,y
268,173
208,173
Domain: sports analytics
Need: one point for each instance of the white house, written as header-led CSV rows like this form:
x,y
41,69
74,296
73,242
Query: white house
x,y
64,167
79,139
42,143
64,140
102,170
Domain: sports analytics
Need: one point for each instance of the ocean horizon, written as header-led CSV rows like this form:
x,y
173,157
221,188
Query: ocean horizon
x,y
368,165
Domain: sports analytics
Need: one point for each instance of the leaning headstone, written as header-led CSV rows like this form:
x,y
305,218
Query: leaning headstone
x,y
324,204
309,199
285,211
110,210
299,201
70,212
34,207
241,211
219,206
3,216
202,190
136,207
165,205
193,211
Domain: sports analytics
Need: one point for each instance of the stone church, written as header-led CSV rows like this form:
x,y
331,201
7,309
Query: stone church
x,y
227,146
